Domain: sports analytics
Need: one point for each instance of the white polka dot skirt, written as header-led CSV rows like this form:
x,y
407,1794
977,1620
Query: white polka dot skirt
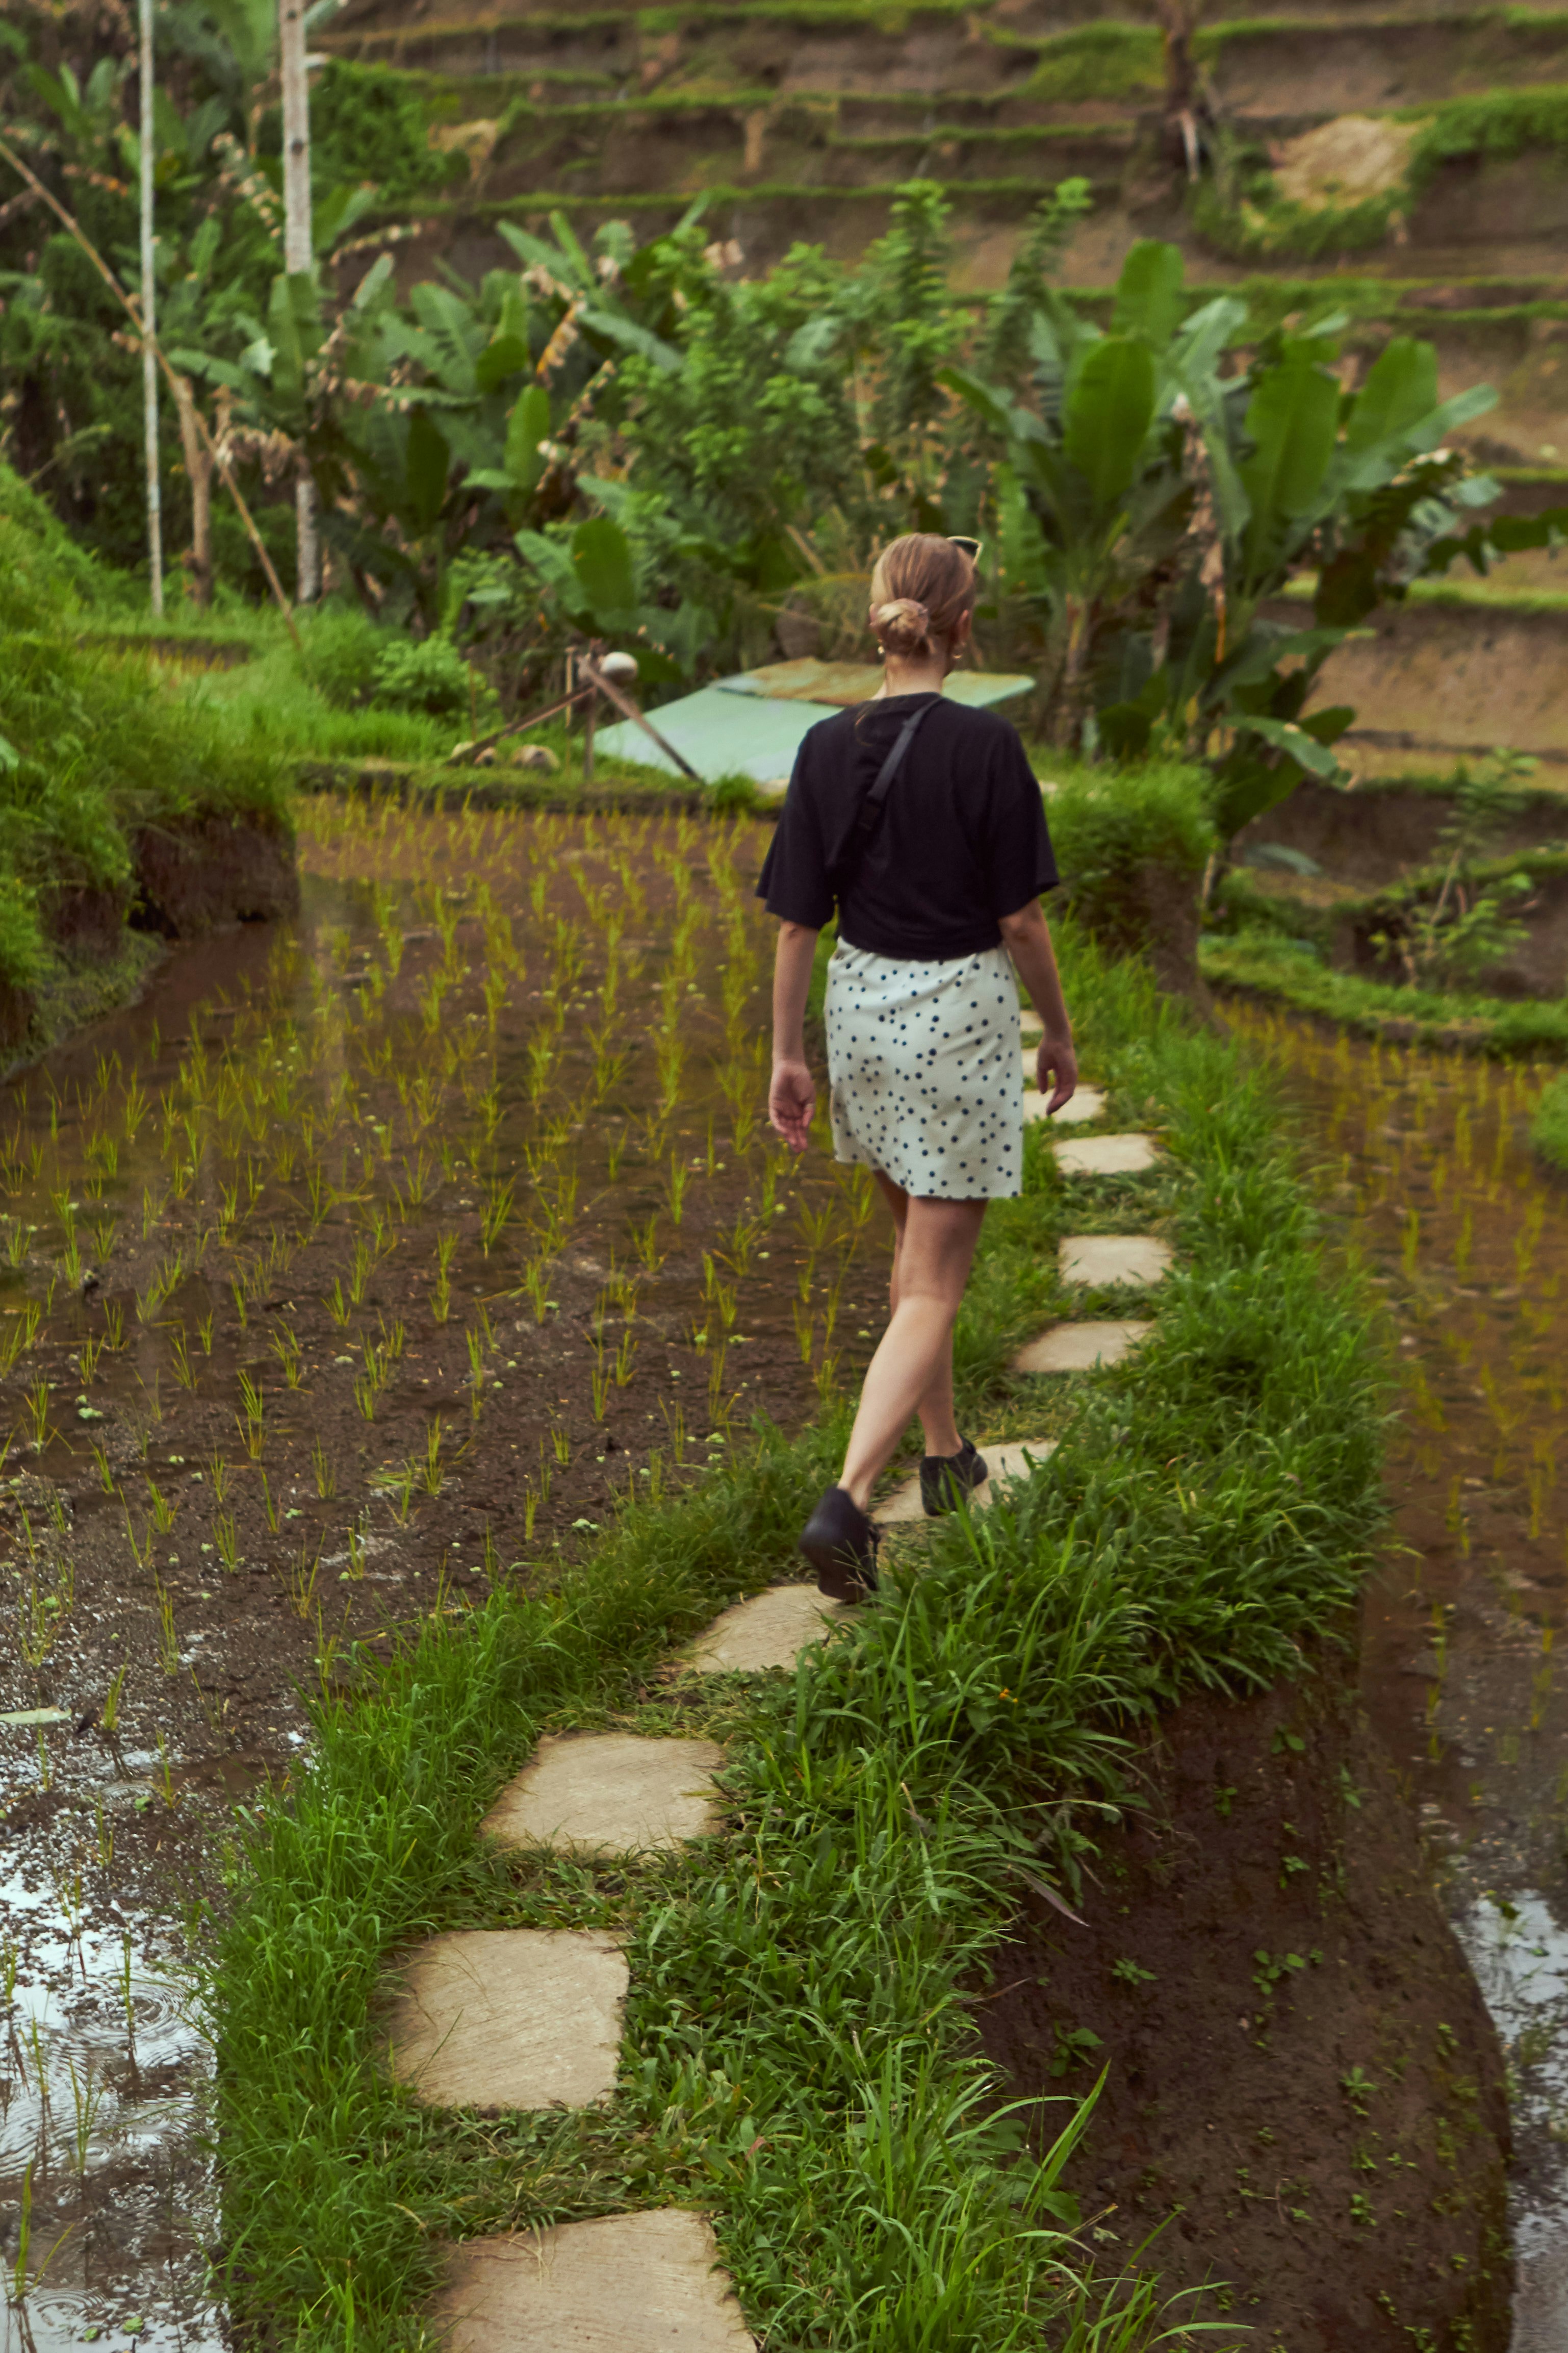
x,y
925,1071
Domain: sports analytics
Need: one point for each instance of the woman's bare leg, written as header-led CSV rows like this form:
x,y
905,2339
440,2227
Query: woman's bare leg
x,y
935,1407
912,1371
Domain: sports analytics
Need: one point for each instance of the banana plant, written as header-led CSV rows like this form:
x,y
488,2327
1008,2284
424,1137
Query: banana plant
x,y
1150,511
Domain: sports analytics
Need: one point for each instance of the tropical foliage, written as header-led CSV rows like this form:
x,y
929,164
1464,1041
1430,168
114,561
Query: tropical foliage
x,y
639,441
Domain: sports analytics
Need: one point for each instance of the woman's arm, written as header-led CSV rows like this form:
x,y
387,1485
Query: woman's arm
x,y
1027,939
792,1093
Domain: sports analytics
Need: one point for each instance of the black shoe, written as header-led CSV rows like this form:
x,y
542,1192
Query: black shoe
x,y
840,1543
945,1479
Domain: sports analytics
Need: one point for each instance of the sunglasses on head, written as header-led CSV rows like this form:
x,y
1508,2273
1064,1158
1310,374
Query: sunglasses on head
x,y
971,547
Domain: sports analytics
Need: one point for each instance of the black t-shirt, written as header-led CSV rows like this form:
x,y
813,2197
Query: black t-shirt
x,y
962,838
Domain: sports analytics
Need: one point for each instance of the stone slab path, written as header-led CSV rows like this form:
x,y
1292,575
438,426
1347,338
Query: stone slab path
x,y
1016,1459
770,1629
1079,1348
1086,1106
511,2018
609,1793
1097,1258
644,2283
1108,1155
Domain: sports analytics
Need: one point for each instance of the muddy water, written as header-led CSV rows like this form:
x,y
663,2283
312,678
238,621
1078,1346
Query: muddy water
x,y
1428,1172
367,1261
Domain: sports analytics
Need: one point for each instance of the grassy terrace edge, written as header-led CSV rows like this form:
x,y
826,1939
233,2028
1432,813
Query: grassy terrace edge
x,y
1261,963
798,2057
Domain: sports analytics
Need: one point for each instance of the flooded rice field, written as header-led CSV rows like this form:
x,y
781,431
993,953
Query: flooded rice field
x,y
373,1255
367,1258
1430,1175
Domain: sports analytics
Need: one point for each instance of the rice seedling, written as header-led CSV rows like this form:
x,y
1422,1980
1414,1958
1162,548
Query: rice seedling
x,y
302,1576
105,1472
674,1191
338,1307
286,1348
168,1636
162,1509
364,1263
497,1216
226,1541
36,1416
19,1332
109,1715
251,1421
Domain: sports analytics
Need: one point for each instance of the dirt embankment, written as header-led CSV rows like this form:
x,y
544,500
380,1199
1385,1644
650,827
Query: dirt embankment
x,y
190,876
1303,2094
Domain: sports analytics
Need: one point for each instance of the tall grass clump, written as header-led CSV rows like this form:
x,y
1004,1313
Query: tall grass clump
x,y
799,2056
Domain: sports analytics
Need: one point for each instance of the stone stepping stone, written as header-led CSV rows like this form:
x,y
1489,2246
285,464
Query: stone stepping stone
x,y
770,1629
1086,1104
1012,1461
1078,1347
1100,1259
1108,1155
511,2018
645,2283
609,1793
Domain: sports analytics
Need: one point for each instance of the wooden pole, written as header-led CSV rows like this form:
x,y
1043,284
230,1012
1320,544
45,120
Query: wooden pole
x,y
73,229
298,256
150,320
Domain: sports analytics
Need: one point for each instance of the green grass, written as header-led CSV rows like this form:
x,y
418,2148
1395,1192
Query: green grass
x,y
1549,1128
93,745
1290,973
798,2055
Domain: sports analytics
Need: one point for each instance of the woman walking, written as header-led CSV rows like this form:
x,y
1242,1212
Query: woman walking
x,y
921,822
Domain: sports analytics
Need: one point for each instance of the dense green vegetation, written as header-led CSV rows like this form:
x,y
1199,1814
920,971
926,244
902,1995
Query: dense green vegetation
x,y
798,2053
90,746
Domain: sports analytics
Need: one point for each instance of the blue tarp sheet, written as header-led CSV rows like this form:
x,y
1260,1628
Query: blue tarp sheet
x,y
738,728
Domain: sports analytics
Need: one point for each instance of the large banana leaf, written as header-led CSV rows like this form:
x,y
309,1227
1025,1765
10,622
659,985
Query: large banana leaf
x,y
1291,420
426,465
601,560
1149,292
1109,409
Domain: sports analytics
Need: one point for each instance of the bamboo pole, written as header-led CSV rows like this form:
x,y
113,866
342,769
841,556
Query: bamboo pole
x,y
149,318
73,229
299,255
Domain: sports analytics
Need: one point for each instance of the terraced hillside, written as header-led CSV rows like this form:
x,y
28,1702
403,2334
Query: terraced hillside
x,y
1406,164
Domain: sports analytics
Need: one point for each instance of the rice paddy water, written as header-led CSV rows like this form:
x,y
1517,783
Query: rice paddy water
x,y
365,1257
372,1254
1429,1174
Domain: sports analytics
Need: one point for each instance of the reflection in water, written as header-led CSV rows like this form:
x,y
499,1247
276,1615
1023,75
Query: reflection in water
x,y
1428,1171
106,2196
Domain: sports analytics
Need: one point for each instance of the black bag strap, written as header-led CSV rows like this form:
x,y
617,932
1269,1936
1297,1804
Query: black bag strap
x,y
870,815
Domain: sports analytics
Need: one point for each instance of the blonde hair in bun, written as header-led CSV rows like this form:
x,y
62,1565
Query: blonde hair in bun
x,y
904,626
921,588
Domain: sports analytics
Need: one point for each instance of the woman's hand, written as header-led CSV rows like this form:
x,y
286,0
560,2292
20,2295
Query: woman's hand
x,y
792,1100
1055,1068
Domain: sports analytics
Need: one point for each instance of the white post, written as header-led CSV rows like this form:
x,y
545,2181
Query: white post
x,y
150,319
298,253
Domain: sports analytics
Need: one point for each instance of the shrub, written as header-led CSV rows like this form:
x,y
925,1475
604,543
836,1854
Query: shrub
x,y
425,674
341,651
1133,844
